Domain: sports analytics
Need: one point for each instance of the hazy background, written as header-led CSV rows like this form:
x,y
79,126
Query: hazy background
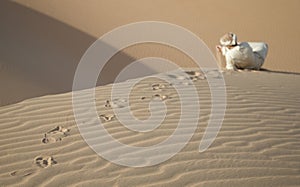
x,y
43,41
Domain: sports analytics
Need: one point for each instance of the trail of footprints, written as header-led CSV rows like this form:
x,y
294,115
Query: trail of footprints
x,y
58,133
44,161
54,135
156,87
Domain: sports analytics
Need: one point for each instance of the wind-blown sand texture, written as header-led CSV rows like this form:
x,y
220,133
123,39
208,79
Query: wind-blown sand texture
x,y
42,43
258,144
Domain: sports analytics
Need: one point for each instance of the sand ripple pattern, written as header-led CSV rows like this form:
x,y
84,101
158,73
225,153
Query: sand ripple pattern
x,y
258,145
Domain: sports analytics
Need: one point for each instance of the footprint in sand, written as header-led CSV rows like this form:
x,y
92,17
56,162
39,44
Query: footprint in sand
x,y
107,117
22,173
195,75
116,103
179,80
161,97
59,129
50,139
192,75
44,161
55,135
158,86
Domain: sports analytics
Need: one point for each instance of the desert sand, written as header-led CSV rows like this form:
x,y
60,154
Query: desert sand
x,y
258,144
42,43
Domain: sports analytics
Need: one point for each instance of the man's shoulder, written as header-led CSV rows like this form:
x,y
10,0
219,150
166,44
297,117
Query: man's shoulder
x,y
244,45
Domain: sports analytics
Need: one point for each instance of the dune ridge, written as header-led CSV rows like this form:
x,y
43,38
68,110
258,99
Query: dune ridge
x,y
43,42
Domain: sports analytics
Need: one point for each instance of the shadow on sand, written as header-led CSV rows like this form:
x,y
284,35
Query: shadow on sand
x,y
280,72
39,55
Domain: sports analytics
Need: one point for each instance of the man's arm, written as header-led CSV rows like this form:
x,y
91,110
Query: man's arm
x,y
220,58
229,63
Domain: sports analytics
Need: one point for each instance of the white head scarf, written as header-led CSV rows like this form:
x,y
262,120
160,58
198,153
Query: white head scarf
x,y
228,39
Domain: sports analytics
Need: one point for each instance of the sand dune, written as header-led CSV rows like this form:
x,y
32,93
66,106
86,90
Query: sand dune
x,y
258,144
39,55
42,43
271,21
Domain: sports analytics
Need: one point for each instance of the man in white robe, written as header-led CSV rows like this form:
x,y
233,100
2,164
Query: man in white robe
x,y
245,55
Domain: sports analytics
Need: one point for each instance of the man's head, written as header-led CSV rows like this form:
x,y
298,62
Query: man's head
x,y
228,39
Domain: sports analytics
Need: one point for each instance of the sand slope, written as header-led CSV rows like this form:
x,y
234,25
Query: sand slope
x,y
258,144
43,41
273,21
